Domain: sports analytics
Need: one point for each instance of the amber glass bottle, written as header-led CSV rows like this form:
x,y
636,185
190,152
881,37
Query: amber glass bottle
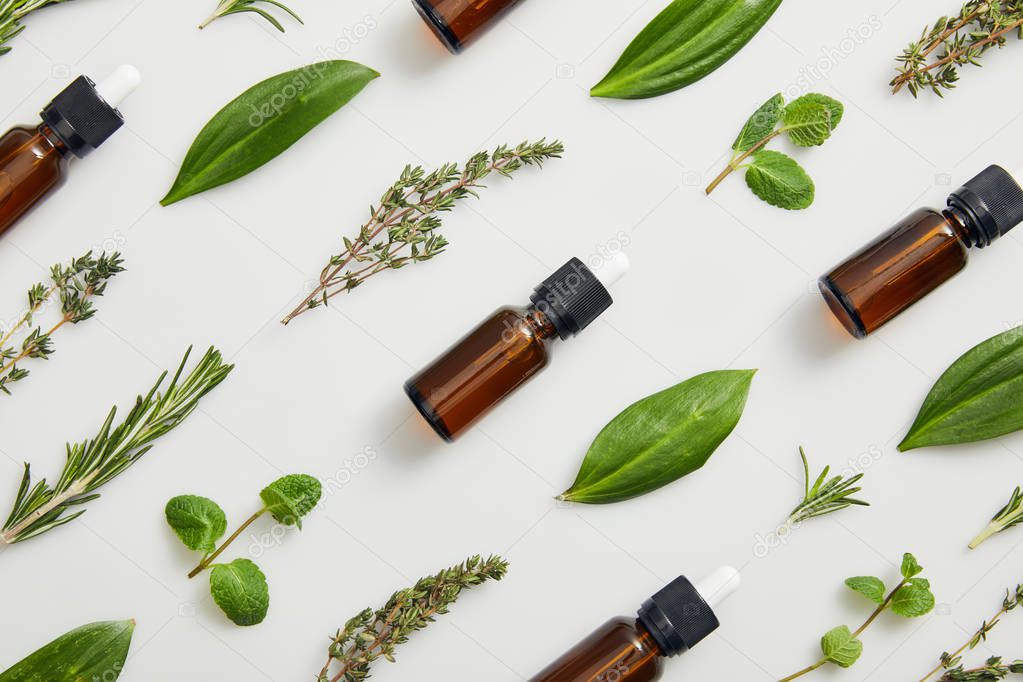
x,y
634,649
922,252
458,22
510,347
34,161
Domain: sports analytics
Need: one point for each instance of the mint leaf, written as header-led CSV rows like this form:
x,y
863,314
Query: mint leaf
x,y
913,599
910,566
807,123
241,592
870,587
840,647
290,498
835,108
760,124
198,521
779,180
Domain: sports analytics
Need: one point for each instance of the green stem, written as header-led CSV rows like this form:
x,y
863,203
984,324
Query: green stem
x,y
992,528
736,161
805,671
205,563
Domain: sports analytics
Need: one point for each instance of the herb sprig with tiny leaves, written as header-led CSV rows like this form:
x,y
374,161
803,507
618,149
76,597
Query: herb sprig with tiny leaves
x,y
775,177
74,285
371,635
932,62
952,663
825,495
911,598
1006,517
90,464
11,14
404,228
227,7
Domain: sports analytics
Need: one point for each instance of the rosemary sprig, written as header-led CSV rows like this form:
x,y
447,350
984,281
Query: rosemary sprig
x,y
227,7
91,464
371,635
824,496
932,63
11,14
952,662
74,285
1006,517
992,671
403,229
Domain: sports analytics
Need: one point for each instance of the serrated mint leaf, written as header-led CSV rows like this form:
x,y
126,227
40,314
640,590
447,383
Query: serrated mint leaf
x,y
870,587
241,592
910,566
198,521
760,124
840,647
913,599
779,180
835,108
290,498
808,124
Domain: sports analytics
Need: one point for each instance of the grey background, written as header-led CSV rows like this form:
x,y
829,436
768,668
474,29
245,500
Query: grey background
x,y
717,282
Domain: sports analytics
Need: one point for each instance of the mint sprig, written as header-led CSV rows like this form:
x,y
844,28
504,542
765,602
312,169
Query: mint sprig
x,y
773,176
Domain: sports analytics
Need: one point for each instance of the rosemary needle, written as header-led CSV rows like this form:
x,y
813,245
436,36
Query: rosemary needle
x,y
825,495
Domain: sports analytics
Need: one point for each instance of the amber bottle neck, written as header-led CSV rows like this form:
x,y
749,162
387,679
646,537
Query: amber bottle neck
x,y
540,324
50,137
647,641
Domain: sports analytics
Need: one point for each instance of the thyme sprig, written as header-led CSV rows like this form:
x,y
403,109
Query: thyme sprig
x,y
227,7
825,495
933,62
371,635
1006,517
951,663
92,463
11,14
74,285
992,671
403,229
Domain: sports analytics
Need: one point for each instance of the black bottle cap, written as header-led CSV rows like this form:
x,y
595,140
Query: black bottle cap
x,y
678,617
572,298
992,204
81,118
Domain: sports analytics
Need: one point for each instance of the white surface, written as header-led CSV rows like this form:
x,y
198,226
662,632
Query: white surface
x,y
719,585
116,87
717,282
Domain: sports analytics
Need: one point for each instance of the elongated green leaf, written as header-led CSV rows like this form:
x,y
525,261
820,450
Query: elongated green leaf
x,y
870,587
760,124
779,180
96,651
840,647
661,438
264,121
684,43
979,397
240,590
198,521
291,497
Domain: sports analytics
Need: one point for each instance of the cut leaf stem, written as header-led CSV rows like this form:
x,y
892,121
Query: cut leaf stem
x,y
205,563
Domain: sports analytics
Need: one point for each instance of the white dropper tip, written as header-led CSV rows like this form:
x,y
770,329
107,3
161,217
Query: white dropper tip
x,y
715,587
118,85
612,269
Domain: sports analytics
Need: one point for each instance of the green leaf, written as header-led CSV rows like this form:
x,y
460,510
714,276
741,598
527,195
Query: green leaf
x,y
198,521
779,180
840,647
870,587
913,599
290,498
808,124
836,108
264,121
661,438
979,397
96,651
910,566
241,592
684,43
760,124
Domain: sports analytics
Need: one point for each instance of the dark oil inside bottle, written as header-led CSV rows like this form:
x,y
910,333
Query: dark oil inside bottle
x,y
896,270
482,369
32,163
621,650
458,22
